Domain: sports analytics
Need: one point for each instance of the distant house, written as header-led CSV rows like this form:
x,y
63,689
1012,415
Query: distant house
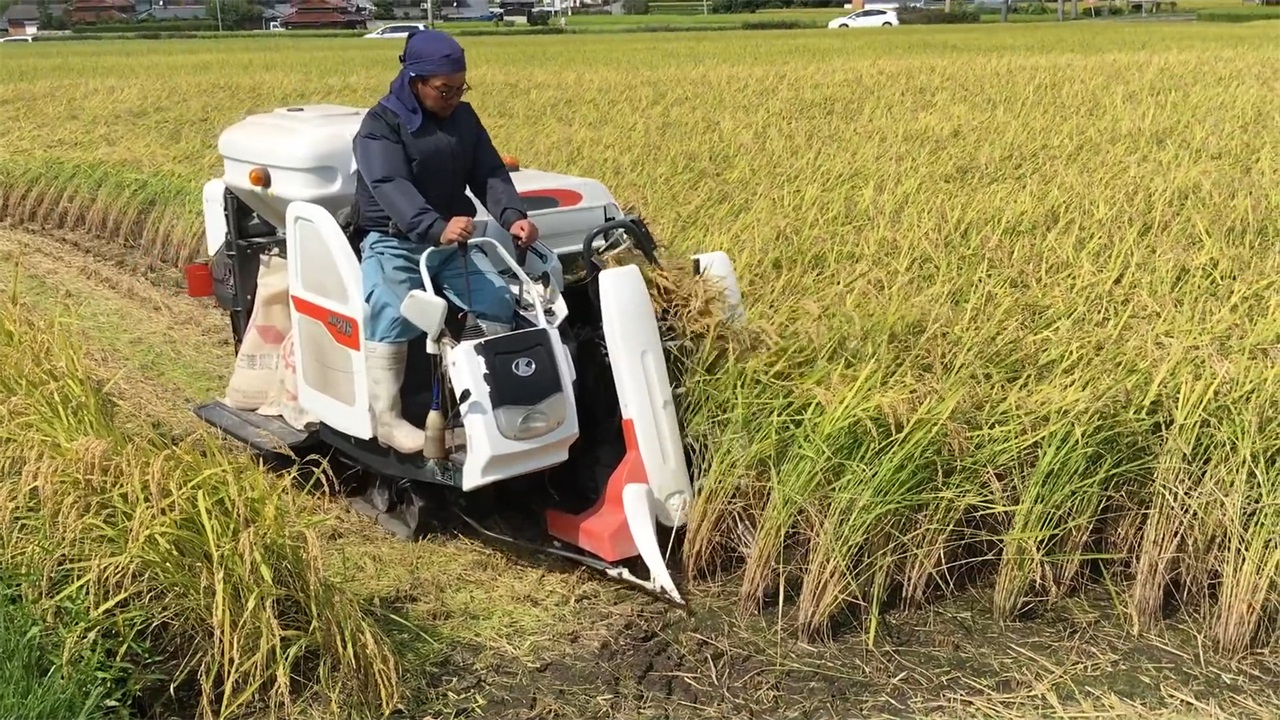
x,y
182,12
273,14
186,10
323,15
145,5
21,20
100,11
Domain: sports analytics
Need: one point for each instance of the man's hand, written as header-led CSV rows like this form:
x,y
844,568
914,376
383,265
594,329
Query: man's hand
x,y
525,233
458,229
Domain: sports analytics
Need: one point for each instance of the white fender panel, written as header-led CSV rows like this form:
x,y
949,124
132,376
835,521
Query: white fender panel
x,y
326,305
215,219
644,387
719,267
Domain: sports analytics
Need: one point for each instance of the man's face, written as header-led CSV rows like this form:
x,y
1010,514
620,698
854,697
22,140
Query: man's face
x,y
440,94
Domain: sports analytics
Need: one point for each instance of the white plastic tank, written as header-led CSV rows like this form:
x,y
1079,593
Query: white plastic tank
x,y
305,151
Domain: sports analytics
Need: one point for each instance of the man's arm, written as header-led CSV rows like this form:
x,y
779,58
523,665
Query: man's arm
x,y
490,181
384,164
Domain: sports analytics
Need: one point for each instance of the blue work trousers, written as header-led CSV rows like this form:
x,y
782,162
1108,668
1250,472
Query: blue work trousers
x,y
389,267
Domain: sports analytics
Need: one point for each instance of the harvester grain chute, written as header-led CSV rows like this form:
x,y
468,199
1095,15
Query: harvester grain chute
x,y
575,400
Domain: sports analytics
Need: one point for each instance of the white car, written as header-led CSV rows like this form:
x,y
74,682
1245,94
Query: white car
x,y
16,38
397,30
865,18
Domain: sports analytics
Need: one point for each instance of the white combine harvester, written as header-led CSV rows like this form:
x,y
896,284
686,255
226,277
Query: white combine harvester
x,y
570,414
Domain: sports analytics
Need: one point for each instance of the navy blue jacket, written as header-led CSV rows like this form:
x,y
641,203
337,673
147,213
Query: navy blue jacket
x,y
411,184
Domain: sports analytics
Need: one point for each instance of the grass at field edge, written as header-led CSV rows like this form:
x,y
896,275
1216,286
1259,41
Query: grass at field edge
x,y
35,682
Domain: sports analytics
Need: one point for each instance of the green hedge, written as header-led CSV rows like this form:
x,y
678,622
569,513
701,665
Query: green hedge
x,y
1238,15
151,34
675,8
727,7
914,16
141,27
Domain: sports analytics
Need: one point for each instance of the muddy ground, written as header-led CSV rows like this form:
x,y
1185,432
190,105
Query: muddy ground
x,y
519,638
641,663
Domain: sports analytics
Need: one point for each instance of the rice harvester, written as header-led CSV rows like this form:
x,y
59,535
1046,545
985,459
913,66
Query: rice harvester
x,y
577,395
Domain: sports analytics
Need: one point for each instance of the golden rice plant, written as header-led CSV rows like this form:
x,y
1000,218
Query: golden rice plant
x,y
1010,287
201,567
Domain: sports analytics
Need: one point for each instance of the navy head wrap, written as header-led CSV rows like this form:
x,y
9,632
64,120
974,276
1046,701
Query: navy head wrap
x,y
426,52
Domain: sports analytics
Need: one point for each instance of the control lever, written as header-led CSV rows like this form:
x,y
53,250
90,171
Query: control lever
x,y
522,253
466,273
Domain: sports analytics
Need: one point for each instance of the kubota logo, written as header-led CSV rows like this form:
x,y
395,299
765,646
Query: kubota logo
x,y
523,367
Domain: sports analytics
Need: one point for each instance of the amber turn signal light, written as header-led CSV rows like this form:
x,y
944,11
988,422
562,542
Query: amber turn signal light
x,y
259,177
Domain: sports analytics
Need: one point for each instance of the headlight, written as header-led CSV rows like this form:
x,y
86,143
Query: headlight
x,y
518,422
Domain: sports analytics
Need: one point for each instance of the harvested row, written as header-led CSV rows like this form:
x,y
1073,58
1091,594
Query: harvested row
x,y
166,561
1012,287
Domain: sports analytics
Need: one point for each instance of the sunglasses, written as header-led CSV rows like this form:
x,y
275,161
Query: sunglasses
x,y
446,92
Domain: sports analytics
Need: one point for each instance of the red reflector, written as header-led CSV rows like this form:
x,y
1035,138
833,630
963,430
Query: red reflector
x,y
199,280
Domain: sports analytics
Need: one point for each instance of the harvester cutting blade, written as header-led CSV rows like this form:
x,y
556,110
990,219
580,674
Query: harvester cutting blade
x,y
638,503
667,592
662,586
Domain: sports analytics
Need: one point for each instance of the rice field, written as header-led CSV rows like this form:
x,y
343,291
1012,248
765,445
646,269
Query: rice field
x,y
1012,291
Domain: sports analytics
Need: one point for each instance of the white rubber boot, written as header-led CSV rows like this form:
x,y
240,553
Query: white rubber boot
x,y
385,362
